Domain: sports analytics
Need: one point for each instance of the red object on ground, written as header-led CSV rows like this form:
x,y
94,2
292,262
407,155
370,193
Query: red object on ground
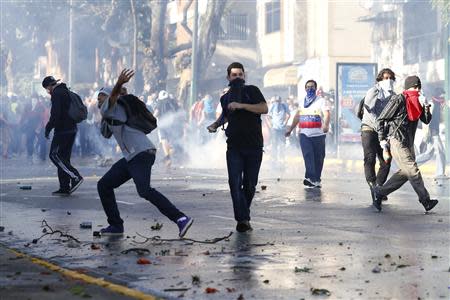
x,y
209,290
143,261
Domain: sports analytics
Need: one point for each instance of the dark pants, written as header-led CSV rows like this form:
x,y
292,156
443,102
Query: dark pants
x,y
60,152
372,151
243,170
139,168
313,150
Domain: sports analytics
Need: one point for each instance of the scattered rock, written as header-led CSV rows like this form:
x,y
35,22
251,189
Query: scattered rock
x,y
95,247
320,292
434,256
69,213
230,290
387,256
302,270
196,280
266,281
46,288
342,269
156,226
376,270
402,266
263,187
86,225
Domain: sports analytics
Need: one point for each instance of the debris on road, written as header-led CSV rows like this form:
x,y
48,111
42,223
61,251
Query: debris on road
x,y
158,239
196,280
49,231
86,225
139,251
376,270
320,292
143,261
302,270
95,247
210,290
264,187
156,226
25,187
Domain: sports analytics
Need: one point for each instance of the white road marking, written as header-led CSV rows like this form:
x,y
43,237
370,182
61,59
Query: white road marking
x,y
127,203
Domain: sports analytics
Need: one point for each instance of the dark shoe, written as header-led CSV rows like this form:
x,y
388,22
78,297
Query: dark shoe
x,y
243,226
384,198
112,230
308,183
429,204
376,198
61,192
184,225
75,183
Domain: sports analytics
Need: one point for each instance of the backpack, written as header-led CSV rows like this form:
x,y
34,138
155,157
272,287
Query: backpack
x,y
138,116
77,110
360,110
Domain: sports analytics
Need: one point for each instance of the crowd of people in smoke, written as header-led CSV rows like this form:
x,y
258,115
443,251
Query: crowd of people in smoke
x,y
23,119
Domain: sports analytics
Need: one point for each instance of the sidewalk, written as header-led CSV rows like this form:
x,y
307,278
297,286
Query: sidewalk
x,y
22,277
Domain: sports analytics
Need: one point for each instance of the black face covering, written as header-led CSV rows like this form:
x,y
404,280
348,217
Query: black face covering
x,y
236,90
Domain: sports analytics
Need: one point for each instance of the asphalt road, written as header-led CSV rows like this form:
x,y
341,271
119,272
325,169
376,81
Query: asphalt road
x,y
303,239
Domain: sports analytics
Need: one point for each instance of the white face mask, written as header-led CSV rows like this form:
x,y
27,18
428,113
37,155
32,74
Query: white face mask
x,y
387,85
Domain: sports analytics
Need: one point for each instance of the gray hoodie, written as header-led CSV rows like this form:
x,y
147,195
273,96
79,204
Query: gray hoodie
x,y
374,103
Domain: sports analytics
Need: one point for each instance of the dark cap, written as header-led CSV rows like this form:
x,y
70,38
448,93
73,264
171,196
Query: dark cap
x,y
48,81
412,81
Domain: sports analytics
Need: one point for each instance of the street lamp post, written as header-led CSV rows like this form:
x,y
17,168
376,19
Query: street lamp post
x,y
447,92
69,81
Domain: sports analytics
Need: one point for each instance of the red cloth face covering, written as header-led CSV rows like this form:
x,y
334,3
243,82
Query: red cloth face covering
x,y
413,106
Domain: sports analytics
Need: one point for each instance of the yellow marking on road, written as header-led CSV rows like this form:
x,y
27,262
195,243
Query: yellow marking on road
x,y
86,278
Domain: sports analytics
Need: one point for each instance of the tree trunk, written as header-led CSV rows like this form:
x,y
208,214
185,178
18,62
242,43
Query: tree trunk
x,y
208,34
134,54
154,68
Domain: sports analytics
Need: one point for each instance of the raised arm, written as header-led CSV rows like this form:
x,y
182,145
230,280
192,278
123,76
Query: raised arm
x,y
124,77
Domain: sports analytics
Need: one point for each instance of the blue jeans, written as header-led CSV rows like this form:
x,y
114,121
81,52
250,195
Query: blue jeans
x,y
243,170
313,149
139,168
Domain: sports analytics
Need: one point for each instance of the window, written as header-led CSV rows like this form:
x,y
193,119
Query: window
x,y
272,16
234,27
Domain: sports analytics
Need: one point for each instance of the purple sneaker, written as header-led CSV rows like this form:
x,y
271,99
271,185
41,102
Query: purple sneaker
x,y
183,225
111,230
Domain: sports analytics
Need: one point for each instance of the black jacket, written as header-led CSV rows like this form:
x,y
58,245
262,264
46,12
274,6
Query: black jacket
x,y
59,116
393,121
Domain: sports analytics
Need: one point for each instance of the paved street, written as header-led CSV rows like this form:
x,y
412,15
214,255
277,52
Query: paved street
x,y
302,239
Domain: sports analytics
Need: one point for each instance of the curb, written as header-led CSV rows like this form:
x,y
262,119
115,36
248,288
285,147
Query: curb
x,y
117,288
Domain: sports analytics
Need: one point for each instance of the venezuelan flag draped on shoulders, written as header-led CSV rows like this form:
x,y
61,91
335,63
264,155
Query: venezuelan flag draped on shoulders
x,y
311,114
